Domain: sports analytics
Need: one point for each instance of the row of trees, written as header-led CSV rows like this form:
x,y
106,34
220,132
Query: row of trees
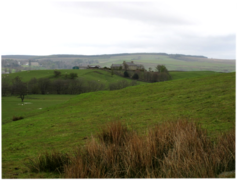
x,y
161,74
47,86
70,85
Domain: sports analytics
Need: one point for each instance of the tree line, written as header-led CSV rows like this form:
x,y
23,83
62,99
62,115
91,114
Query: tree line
x,y
62,84
160,74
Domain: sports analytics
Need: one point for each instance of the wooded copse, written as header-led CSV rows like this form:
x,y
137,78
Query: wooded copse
x,y
71,84
161,74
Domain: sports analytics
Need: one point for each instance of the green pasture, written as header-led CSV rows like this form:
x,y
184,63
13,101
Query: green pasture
x,y
190,74
209,100
32,105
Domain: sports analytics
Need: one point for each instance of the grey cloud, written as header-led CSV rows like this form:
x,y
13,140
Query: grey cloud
x,y
135,11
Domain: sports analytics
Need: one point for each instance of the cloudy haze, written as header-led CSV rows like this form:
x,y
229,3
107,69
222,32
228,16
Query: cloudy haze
x,y
193,27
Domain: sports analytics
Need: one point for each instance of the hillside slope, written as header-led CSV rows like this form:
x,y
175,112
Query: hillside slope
x,y
208,100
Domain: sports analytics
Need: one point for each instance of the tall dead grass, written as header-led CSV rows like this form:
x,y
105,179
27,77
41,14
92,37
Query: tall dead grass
x,y
172,150
180,149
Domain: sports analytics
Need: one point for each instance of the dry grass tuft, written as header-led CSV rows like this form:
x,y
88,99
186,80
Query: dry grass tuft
x,y
114,133
49,162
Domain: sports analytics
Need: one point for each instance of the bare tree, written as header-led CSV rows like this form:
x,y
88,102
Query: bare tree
x,y
19,88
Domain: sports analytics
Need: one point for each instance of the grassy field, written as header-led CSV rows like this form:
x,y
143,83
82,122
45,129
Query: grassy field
x,y
210,100
32,105
190,74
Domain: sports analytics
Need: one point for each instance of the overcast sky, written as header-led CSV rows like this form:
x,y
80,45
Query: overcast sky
x,y
194,27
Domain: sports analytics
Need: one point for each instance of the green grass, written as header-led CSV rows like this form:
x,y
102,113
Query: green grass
x,y
209,100
32,105
190,74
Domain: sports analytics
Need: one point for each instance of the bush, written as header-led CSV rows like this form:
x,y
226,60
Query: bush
x,y
57,73
135,76
48,162
125,74
73,75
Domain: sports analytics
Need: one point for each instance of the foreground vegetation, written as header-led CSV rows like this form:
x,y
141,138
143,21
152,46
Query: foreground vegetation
x,y
208,100
172,150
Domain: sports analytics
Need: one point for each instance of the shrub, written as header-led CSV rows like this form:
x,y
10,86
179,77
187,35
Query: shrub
x,y
135,76
73,75
57,73
125,74
48,162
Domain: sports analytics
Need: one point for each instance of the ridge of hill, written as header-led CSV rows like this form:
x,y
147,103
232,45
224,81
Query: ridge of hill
x,y
101,55
180,62
208,100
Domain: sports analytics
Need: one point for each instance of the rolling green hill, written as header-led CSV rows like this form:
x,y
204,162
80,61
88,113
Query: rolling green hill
x,y
209,100
190,74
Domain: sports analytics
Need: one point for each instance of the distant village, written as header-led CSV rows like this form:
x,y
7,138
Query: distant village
x,y
9,66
